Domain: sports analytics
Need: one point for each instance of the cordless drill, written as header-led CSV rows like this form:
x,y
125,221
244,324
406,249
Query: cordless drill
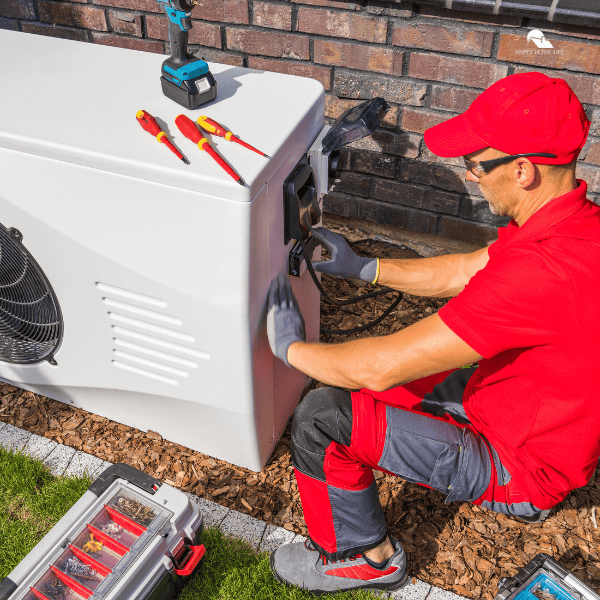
x,y
184,78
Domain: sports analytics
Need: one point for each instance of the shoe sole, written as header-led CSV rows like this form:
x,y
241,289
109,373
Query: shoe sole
x,y
383,587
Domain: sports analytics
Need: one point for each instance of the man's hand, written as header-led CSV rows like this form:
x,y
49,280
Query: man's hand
x,y
285,324
343,262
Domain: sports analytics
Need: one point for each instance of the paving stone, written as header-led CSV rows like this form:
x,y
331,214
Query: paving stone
x,y
417,591
212,513
13,438
243,526
83,464
437,593
2,424
39,447
58,460
104,464
275,537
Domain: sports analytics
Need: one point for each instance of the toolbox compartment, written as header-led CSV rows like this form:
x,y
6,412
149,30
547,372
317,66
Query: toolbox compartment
x,y
129,536
544,579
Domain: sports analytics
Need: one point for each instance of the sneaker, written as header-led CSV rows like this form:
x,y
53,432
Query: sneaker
x,y
302,565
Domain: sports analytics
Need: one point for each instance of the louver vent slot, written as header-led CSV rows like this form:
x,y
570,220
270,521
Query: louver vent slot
x,y
31,325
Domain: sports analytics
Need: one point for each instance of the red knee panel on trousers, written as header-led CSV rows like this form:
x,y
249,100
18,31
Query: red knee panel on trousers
x,y
343,471
317,509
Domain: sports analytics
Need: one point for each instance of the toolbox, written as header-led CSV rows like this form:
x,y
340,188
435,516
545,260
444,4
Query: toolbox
x,y
129,537
544,579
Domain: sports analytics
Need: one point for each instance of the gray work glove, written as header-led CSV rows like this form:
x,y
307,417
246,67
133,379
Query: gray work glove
x,y
343,262
285,324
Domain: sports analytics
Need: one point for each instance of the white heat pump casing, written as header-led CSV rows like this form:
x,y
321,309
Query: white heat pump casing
x,y
161,269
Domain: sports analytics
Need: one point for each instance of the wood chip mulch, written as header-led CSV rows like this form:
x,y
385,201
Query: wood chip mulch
x,y
457,546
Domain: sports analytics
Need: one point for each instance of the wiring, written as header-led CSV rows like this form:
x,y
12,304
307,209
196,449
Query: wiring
x,y
352,300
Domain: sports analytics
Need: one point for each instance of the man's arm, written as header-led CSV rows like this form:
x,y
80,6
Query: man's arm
x,y
379,363
435,277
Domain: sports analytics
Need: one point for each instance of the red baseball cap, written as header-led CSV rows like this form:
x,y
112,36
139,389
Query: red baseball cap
x,y
528,112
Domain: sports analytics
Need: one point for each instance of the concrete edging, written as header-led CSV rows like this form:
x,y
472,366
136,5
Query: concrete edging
x,y
62,460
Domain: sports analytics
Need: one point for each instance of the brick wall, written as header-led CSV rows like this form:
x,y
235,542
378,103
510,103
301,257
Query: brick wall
x,y
428,62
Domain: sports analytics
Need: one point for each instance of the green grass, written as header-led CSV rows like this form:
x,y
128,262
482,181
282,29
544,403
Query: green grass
x,y
32,501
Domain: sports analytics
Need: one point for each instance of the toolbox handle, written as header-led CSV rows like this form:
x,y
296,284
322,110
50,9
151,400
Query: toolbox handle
x,y
192,562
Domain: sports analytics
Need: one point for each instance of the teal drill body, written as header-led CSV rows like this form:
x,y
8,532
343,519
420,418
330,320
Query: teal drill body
x,y
184,78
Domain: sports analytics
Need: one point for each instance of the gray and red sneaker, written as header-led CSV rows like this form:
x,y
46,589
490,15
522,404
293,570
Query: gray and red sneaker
x,y
301,565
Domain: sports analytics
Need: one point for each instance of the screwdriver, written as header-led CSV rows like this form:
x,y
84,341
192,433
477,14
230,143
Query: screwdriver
x,y
191,132
218,130
148,122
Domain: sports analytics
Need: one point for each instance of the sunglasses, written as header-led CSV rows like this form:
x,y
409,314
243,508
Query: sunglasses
x,y
485,166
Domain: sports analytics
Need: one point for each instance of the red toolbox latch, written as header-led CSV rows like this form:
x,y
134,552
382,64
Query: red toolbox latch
x,y
186,559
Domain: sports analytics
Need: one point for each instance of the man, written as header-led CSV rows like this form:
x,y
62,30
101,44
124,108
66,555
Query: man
x,y
517,433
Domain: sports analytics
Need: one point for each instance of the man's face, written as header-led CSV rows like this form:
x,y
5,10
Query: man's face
x,y
495,185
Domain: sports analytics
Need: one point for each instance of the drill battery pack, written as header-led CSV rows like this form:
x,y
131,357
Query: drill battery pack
x,y
544,579
129,536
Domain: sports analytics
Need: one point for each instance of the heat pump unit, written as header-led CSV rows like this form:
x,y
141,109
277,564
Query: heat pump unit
x,y
132,285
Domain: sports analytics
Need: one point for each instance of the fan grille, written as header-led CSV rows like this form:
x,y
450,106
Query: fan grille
x,y
31,324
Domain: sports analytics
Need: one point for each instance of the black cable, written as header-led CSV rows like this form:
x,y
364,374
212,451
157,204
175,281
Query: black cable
x,y
348,301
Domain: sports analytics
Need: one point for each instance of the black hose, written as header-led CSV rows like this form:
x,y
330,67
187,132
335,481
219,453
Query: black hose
x,y
352,300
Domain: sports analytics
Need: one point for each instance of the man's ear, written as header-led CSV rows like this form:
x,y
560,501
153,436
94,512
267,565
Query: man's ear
x,y
525,172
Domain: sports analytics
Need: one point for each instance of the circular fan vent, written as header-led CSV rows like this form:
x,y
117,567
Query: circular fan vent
x,y
31,325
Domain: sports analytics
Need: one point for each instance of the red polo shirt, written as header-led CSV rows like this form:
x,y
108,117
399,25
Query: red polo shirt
x,y
533,313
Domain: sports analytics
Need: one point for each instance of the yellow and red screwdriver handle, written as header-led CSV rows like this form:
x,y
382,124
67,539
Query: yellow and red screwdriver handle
x,y
148,122
191,132
215,129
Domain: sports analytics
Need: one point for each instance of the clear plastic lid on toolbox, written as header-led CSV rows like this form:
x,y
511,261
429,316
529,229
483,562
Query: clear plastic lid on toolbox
x,y
98,552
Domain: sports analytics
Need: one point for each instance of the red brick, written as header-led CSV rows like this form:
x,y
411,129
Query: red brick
x,y
587,33
470,42
468,17
9,24
119,41
590,174
418,120
18,9
363,58
353,183
595,119
275,16
334,107
224,58
203,34
479,234
322,74
342,25
225,11
393,89
59,13
402,12
284,45
126,23
471,73
416,196
374,163
381,212
436,175
574,56
143,5
586,87
388,142
451,98
330,4
592,154
80,35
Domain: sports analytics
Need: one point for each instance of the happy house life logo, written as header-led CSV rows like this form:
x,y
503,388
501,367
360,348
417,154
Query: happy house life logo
x,y
538,44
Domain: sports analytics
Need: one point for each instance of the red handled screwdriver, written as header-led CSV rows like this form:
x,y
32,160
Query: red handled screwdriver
x,y
148,122
216,129
191,132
